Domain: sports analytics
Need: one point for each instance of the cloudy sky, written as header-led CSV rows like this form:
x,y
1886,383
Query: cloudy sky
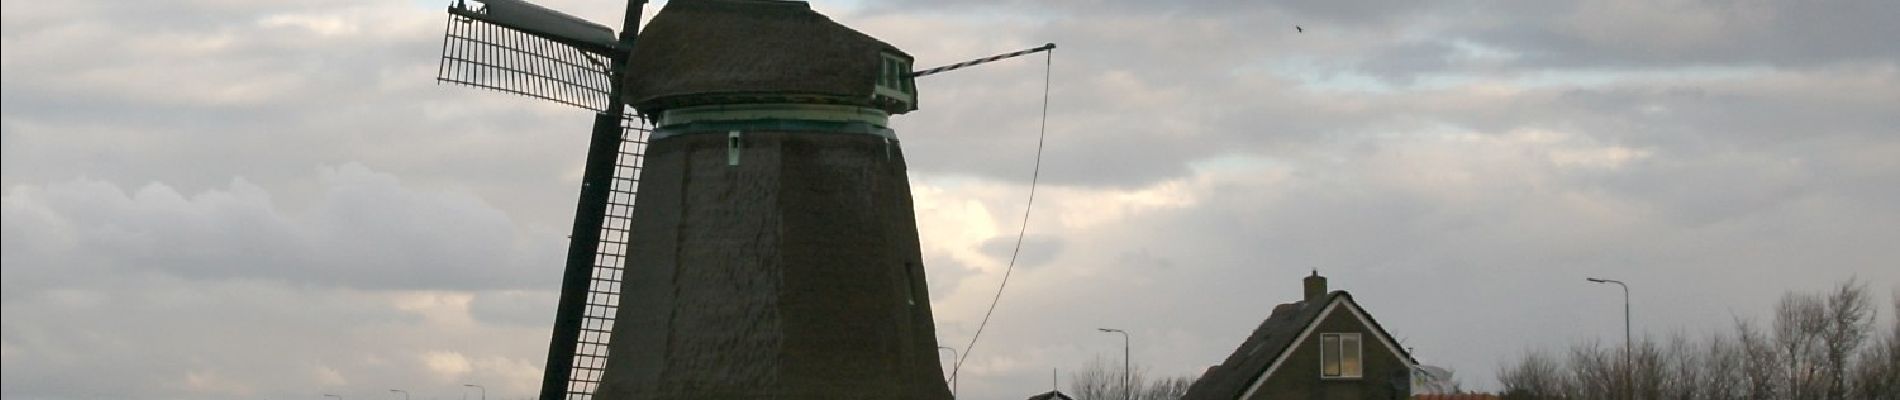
x,y
210,199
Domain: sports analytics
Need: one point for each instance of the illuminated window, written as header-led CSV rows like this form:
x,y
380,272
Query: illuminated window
x,y
1339,355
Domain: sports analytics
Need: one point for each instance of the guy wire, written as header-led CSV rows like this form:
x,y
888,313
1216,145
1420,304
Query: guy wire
x,y
1034,175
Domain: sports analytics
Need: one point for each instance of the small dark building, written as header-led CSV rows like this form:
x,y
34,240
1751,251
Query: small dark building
x,y
1322,347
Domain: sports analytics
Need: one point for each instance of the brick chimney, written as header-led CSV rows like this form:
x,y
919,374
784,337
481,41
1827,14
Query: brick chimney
x,y
1315,286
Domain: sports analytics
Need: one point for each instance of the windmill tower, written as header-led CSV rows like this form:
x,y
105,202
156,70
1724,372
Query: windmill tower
x,y
777,252
773,252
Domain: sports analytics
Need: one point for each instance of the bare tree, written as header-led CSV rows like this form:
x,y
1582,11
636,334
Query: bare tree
x,y
1596,373
1096,381
1684,367
1847,325
1650,376
1761,363
1725,376
1799,321
1101,379
1818,346
1535,376
1877,372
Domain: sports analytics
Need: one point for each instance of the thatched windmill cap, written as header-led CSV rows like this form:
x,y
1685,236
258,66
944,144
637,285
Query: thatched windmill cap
x,y
697,52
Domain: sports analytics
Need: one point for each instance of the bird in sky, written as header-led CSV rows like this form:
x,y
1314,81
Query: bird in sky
x,y
1297,28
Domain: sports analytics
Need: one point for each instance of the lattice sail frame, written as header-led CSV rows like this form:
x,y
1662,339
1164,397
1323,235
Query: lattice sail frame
x,y
480,53
516,47
603,289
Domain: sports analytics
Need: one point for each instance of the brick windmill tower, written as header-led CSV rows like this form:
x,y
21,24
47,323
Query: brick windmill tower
x,y
775,251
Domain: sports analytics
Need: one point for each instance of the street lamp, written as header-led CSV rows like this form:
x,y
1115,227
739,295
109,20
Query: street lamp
x,y
405,393
1127,391
954,366
1629,360
484,390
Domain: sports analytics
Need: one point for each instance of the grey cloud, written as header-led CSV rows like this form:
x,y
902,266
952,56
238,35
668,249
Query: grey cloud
x,y
365,231
1036,250
271,90
1138,100
140,335
531,309
1402,63
1369,36
1310,12
945,274
1638,33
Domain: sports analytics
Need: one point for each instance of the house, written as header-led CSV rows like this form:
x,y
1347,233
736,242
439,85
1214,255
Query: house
x,y
1324,346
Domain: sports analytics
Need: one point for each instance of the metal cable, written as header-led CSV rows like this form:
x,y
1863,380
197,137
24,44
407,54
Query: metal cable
x,y
1034,175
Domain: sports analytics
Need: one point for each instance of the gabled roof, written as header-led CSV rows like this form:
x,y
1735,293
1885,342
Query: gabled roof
x,y
1271,341
1052,395
695,48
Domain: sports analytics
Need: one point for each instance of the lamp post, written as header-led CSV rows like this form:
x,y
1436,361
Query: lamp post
x,y
954,366
483,389
405,393
1629,360
1128,392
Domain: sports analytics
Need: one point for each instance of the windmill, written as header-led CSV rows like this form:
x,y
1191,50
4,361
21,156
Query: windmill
x,y
516,47
774,250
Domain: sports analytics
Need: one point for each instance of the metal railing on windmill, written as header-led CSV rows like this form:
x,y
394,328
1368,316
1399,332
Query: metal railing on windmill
x,y
520,48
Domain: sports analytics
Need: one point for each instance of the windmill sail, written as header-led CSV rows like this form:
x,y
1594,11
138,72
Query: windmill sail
x,y
521,48
521,15
516,47
604,283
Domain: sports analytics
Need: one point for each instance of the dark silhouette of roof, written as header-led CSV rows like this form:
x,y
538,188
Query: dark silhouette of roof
x,y
1274,336
1052,395
1467,396
695,49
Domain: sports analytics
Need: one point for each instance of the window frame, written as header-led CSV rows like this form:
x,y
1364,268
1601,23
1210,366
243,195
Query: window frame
x,y
1339,348
893,82
890,72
